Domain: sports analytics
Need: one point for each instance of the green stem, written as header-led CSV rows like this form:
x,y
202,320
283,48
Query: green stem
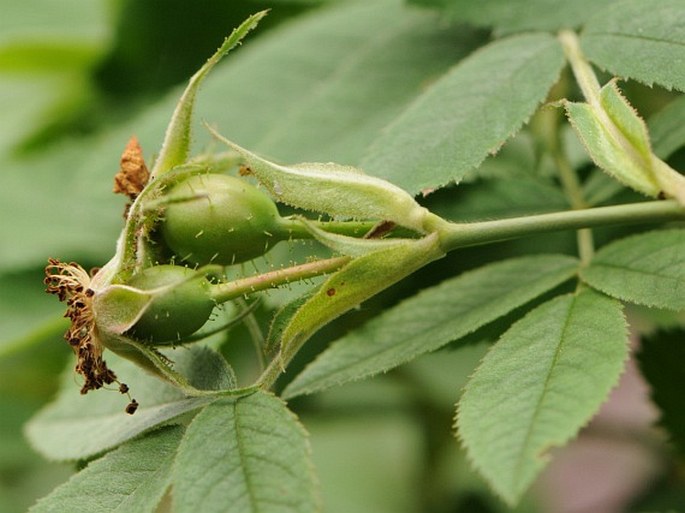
x,y
586,78
457,235
223,292
574,193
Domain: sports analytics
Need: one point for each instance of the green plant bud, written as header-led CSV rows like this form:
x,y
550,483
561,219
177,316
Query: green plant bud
x,y
220,219
180,304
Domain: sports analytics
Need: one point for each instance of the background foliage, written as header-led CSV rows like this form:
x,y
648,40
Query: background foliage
x,y
360,83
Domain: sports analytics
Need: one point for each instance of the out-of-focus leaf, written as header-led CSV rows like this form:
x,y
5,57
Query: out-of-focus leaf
x,y
176,147
320,89
667,129
661,356
76,426
470,112
539,385
502,197
507,16
639,39
246,455
433,318
42,20
131,479
647,269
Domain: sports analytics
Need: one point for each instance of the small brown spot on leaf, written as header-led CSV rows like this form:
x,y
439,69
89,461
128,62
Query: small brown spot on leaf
x,y
244,170
330,292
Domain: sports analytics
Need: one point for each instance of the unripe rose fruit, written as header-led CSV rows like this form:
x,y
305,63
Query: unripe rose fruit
x,y
220,219
176,312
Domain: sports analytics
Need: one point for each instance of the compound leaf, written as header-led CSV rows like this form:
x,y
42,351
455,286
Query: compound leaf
x,y
539,384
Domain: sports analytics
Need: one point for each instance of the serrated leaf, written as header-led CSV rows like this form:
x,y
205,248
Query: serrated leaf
x,y
359,280
470,112
639,39
245,456
647,269
539,384
131,479
76,426
432,319
507,16
661,359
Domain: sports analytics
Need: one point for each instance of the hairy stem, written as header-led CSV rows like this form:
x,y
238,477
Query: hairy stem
x,y
223,292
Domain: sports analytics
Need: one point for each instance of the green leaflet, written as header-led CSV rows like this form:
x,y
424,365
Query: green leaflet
x,y
539,384
334,189
75,426
433,318
647,269
640,39
176,147
245,456
131,479
359,280
467,114
507,16
617,140
661,359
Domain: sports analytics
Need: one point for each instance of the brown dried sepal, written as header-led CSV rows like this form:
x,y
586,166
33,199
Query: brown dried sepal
x,y
133,174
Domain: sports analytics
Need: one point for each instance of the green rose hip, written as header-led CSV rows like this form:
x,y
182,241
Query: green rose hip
x,y
181,303
220,219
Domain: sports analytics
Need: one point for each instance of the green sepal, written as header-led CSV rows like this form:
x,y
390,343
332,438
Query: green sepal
x,y
350,246
337,190
617,140
118,307
359,280
176,145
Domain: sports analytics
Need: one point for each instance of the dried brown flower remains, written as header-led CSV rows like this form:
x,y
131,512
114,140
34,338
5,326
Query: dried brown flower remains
x,y
71,283
133,174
